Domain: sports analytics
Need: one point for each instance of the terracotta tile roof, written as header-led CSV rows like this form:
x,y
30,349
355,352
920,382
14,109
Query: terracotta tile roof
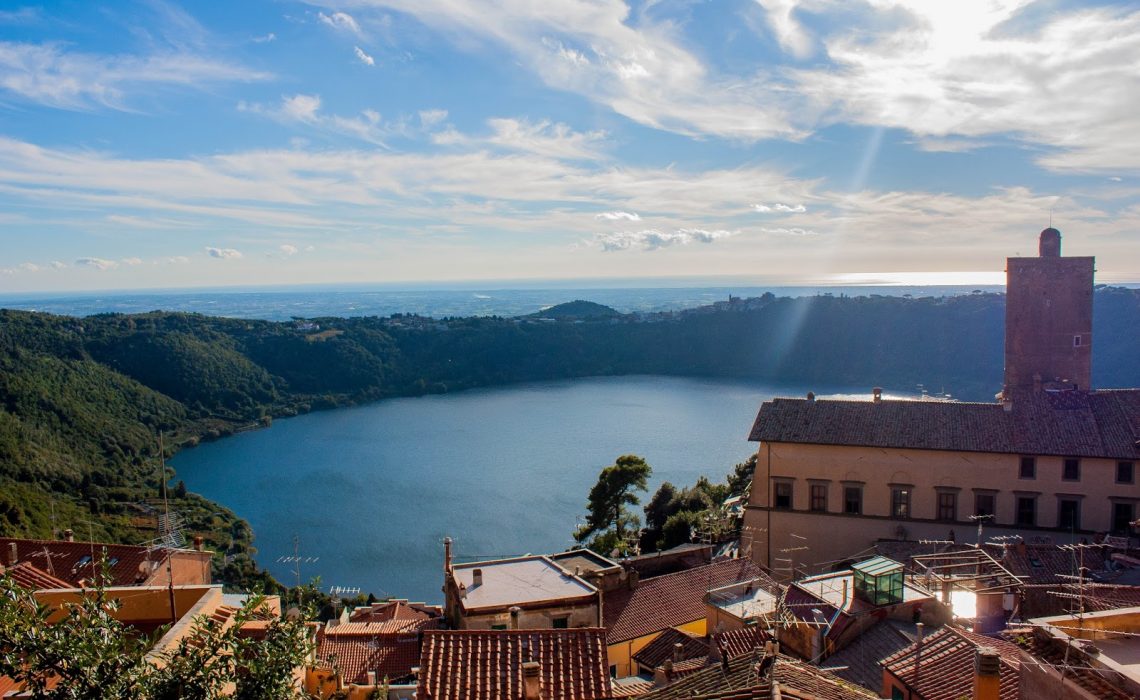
x,y
631,688
739,679
656,652
861,657
1097,682
1077,424
81,561
30,577
671,600
388,627
486,664
947,665
395,610
390,656
743,640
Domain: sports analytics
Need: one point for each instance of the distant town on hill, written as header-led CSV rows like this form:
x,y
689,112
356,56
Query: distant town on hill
x,y
82,400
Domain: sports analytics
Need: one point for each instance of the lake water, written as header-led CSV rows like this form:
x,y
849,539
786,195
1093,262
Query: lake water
x,y
373,490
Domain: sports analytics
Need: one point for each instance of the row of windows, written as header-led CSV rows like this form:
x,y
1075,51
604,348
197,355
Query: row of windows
x,y
1071,470
1025,513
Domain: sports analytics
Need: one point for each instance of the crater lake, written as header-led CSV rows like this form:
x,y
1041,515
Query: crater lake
x,y
370,491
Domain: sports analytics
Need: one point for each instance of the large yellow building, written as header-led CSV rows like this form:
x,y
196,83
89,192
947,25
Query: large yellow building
x,y
1050,459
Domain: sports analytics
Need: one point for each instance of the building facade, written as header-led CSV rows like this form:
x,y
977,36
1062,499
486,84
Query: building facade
x,y
1050,460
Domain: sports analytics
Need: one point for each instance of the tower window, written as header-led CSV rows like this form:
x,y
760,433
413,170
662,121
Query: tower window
x,y
853,500
783,493
1027,510
1077,341
1028,468
1072,470
1124,472
900,503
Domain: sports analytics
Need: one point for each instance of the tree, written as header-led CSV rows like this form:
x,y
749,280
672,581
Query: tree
x,y
87,653
607,516
180,489
740,479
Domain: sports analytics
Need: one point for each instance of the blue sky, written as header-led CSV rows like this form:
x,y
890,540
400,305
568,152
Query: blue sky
x,y
153,144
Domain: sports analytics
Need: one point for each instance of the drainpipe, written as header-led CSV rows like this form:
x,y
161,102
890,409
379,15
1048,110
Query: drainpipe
x,y
917,652
768,537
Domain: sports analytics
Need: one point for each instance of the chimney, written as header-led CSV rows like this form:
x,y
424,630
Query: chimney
x,y
515,610
462,590
476,577
13,554
843,603
371,677
631,579
678,652
446,555
811,396
987,674
532,680
69,535
1006,403
198,543
918,650
877,394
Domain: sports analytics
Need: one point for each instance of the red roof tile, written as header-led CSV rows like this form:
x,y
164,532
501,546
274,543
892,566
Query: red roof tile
x,y
661,648
395,610
388,627
946,665
1075,424
77,562
390,656
485,665
28,576
671,600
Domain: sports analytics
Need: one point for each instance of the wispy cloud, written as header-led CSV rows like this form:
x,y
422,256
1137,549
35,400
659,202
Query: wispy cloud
x,y
265,39
223,253
341,21
778,207
51,75
287,249
653,239
617,216
363,57
97,263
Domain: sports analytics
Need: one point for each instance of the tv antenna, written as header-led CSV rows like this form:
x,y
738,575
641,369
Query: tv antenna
x,y
296,560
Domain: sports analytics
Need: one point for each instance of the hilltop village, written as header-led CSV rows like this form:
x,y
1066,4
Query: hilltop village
x,y
912,550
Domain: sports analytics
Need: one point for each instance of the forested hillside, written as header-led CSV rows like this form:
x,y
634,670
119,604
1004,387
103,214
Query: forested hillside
x,y
82,400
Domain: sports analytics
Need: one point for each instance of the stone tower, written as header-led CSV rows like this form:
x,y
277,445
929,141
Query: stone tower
x,y
1048,319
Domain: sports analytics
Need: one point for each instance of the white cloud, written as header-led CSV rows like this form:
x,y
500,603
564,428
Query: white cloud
x,y
790,231
653,239
301,107
287,249
223,253
132,261
950,71
432,117
306,109
30,267
49,74
175,260
341,21
782,208
641,69
57,265
787,29
363,57
618,216
270,37
97,263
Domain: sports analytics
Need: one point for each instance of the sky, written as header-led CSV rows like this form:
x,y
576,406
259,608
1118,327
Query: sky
x,y
154,144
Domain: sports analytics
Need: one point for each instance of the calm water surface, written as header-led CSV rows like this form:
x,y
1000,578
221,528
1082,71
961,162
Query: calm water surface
x,y
372,490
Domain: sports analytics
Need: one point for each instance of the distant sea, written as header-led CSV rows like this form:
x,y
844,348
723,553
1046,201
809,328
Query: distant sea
x,y
283,303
